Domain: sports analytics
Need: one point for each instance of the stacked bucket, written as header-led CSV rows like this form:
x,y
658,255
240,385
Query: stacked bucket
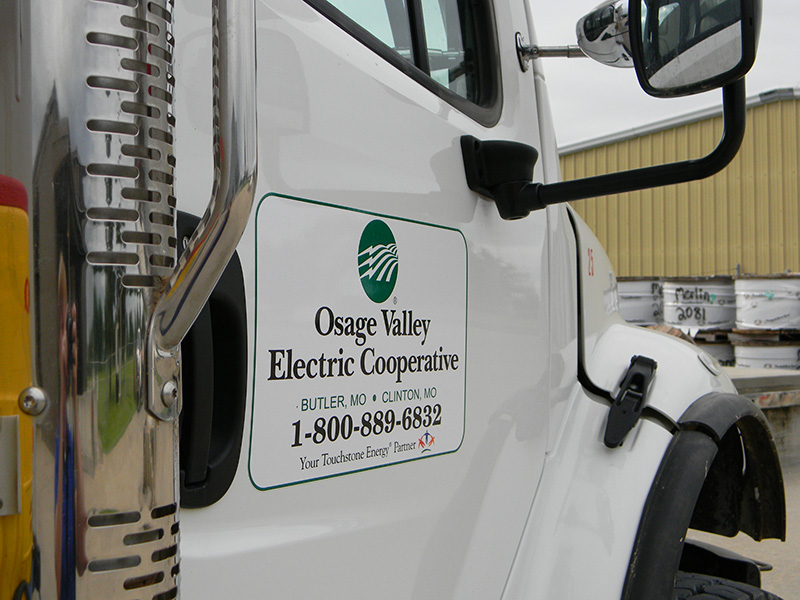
x,y
640,300
767,333
705,309
747,322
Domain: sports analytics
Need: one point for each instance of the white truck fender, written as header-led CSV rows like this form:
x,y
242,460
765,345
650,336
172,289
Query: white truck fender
x,y
578,538
582,514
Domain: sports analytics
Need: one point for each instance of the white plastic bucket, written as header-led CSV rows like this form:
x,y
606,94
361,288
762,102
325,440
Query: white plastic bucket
x,y
640,300
768,303
700,303
785,356
723,353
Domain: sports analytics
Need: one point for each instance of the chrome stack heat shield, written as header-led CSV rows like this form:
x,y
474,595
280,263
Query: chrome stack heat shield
x,y
110,299
106,505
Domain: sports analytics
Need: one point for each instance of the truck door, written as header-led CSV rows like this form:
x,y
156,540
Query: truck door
x,y
397,404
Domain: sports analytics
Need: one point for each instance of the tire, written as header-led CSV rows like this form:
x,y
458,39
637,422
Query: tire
x,y
691,586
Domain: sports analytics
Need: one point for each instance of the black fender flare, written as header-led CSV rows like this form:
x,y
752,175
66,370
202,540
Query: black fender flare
x,y
721,473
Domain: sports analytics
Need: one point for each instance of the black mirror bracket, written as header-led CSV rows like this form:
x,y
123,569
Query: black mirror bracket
x,y
502,171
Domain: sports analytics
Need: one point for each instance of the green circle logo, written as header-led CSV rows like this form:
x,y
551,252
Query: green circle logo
x,y
377,261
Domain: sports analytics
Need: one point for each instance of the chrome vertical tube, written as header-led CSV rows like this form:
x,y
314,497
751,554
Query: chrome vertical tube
x,y
222,225
235,162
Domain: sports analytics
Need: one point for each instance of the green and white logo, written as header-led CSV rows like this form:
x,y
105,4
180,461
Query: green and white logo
x,y
377,261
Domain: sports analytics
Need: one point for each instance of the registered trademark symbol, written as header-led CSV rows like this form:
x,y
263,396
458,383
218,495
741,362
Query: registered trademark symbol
x,y
394,300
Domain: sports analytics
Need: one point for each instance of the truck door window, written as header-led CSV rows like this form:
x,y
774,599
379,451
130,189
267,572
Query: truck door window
x,y
449,46
445,30
386,21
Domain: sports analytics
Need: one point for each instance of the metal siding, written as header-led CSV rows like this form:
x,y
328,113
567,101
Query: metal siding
x,y
747,215
790,121
763,210
655,153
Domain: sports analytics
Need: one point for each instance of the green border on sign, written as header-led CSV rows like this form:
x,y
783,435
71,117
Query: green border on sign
x,y
255,339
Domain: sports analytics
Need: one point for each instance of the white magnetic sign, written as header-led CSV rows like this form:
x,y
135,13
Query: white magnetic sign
x,y
360,349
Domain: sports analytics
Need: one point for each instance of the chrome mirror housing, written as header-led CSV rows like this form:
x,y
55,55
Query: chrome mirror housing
x,y
603,34
682,47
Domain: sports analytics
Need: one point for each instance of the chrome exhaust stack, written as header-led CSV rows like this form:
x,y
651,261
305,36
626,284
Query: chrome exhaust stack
x,y
111,301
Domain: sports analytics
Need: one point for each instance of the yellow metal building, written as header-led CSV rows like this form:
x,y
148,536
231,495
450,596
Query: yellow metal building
x,y
745,219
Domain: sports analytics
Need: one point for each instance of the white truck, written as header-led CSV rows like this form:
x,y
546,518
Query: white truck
x,y
411,381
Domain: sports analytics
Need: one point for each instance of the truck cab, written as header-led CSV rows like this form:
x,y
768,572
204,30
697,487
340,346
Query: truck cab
x,y
385,360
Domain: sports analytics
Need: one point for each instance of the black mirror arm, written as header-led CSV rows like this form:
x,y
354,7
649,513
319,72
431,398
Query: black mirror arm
x,y
516,198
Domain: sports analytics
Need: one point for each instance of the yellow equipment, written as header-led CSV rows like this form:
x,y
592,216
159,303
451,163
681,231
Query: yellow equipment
x,y
16,538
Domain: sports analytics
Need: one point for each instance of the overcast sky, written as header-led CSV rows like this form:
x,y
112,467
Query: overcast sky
x,y
590,99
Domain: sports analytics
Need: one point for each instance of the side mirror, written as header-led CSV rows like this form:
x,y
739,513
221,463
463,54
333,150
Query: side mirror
x,y
603,34
679,47
682,47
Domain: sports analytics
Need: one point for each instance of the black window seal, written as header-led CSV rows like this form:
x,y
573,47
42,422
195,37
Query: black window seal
x,y
418,38
487,113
